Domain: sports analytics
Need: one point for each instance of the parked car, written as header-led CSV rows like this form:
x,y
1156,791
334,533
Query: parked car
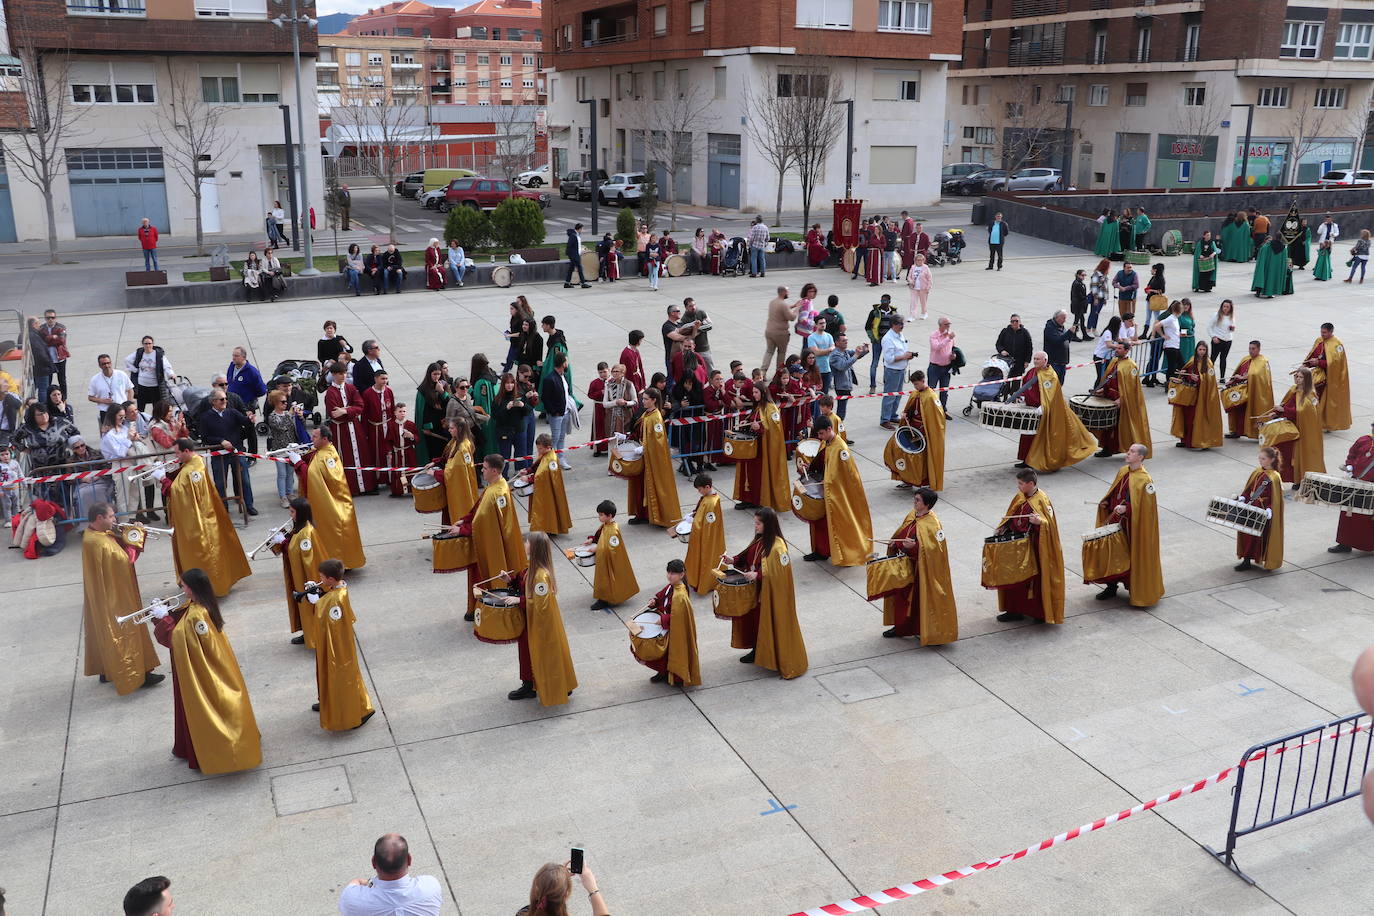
x,y
977,183
534,178
577,184
1346,178
960,170
430,199
438,179
625,188
485,194
1033,179
411,185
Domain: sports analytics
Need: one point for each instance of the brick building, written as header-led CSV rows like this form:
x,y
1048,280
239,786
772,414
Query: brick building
x,y
128,59
1155,89
356,69
486,20
889,56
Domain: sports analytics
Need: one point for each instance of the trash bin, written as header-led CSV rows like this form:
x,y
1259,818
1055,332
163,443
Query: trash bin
x,y
980,214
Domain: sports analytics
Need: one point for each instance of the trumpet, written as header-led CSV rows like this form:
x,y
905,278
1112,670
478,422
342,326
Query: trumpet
x,y
144,614
267,541
311,588
162,532
287,450
151,471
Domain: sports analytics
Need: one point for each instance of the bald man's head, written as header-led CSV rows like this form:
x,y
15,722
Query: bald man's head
x,y
391,855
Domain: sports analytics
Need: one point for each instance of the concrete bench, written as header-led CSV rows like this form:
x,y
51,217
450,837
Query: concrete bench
x,y
539,255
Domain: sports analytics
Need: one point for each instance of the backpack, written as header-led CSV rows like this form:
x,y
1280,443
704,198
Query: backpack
x,y
956,361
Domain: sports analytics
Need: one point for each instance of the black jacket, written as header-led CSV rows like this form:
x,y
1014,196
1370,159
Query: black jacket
x,y
364,375
391,260
1006,229
574,248
1016,342
1078,297
1056,343
231,426
553,395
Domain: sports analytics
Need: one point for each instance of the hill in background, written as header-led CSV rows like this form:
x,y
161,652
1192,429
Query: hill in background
x,y
334,23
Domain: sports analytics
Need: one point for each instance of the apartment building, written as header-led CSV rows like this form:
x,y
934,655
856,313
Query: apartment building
x,y
486,20
889,56
120,64
367,69
1131,94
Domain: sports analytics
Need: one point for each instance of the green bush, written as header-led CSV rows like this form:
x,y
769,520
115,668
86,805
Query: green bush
x,y
625,229
518,223
648,195
470,226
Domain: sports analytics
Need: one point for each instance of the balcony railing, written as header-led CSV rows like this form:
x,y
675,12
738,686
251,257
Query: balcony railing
x,y
405,65
1099,4
1187,55
131,8
610,39
1139,56
440,66
441,89
405,87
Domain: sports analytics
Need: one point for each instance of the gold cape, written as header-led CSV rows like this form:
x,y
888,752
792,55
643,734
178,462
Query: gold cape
x,y
773,489
343,695
496,539
779,646
1133,420
202,534
846,507
331,507
706,544
1260,387
549,501
460,479
1273,532
1062,439
938,615
656,487
1146,572
1335,404
928,468
683,661
219,714
1049,554
1309,450
1206,431
109,585
614,581
301,559
550,659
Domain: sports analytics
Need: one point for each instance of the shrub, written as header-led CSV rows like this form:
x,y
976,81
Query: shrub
x,y
470,226
518,223
625,229
648,195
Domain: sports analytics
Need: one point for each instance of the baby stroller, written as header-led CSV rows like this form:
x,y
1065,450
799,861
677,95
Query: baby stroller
x,y
306,374
735,261
948,246
993,387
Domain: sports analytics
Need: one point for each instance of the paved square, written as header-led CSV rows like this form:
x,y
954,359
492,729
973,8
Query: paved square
x,y
748,795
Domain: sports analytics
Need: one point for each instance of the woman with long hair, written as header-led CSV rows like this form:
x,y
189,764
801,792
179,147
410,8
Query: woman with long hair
x,y
485,385
552,886
507,419
168,425
816,252
1099,288
1221,331
353,268
513,336
213,724
300,560
1264,490
1187,330
762,480
431,398
777,645
1303,452
1199,426
530,351
546,667
456,467
1104,351
58,408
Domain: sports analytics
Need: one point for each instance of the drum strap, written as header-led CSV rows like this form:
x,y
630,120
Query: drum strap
x,y
1029,384
1364,473
1260,489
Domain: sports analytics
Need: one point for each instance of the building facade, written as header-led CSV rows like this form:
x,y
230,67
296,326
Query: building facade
x,y
889,56
120,66
486,20
365,69
1133,95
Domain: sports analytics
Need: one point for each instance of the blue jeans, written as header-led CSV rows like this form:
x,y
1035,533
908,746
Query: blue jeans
x,y
456,273
220,468
1358,264
938,377
1156,350
653,273
1093,312
507,446
354,280
149,260
893,379
558,431
889,265
286,478
874,354
758,261
842,401
399,276
526,441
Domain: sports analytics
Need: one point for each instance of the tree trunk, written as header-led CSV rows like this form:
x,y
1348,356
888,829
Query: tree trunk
x,y
200,225
777,212
391,202
53,257
672,201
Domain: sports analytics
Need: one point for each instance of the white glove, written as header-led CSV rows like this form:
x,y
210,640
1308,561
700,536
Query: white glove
x,y
313,598
159,474
619,437
279,539
159,611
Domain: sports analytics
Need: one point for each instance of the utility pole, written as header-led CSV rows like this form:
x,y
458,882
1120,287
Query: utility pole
x,y
595,172
303,227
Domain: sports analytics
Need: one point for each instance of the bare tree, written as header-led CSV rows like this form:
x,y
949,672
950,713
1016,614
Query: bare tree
x,y
1306,124
193,139
515,146
382,130
1033,122
815,96
1196,125
675,134
770,127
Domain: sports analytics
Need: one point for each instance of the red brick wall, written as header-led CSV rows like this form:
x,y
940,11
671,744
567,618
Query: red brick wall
x,y
47,21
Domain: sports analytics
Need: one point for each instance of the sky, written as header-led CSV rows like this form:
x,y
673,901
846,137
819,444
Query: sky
x,y
352,7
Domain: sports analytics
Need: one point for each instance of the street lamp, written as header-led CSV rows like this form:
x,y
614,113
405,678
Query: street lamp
x,y
1068,141
591,108
295,20
848,148
1245,150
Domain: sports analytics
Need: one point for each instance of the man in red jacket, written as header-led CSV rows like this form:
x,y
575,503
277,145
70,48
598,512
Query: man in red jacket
x,y
147,237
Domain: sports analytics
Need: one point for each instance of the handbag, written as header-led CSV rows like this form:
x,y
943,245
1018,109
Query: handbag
x,y
278,283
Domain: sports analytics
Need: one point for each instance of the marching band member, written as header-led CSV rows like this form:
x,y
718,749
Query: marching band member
x,y
322,480
927,609
845,534
1199,426
344,703
549,502
682,664
770,630
1120,383
213,724
826,405
614,582
922,411
1130,502
762,480
343,407
1263,490
1040,597
401,436
494,529
1253,370
300,560
546,666
708,537
596,392
1355,531
456,468
1331,376
1300,407
121,655
379,405
652,496
202,535
1061,439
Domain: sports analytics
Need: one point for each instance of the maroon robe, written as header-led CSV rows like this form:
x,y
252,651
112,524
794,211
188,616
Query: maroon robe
x,y
434,267
908,243
1110,439
181,732
1318,352
1031,395
400,453
1262,496
744,630
1235,417
378,419
873,264
596,391
1288,410
714,401
904,602
634,367
1355,530
1022,597
662,602
349,437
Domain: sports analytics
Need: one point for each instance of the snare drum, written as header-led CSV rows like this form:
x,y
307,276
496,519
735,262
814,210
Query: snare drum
x,y
888,576
734,596
683,530
1206,264
502,276
1273,432
1106,553
1239,516
452,552
808,501
428,492
495,621
1235,396
523,489
675,265
1182,392
807,450
1095,412
1008,559
581,556
1016,417
910,440
650,643
1354,496
740,445
627,460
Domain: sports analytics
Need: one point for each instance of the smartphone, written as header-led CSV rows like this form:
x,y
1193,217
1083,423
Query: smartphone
x,y
576,865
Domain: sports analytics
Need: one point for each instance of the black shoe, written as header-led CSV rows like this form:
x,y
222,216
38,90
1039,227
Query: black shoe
x,y
747,659
298,640
469,617
152,678
364,722
599,605
1009,616
1106,593
660,678
1233,435
708,466
989,267
813,557
567,286
1020,464
252,510
746,506
888,424
891,634
638,520
1243,565
526,692
315,708
586,286
1103,454
1340,548
1180,445
104,679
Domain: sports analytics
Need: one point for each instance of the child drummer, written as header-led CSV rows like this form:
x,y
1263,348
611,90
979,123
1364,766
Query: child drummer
x,y
707,540
549,501
614,582
681,663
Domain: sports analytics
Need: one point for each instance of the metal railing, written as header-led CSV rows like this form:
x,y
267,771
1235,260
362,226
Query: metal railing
x,y
1299,773
133,8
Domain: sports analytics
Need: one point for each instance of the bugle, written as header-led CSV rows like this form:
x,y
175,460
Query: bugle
x,y
267,541
162,532
152,470
311,588
145,614
287,450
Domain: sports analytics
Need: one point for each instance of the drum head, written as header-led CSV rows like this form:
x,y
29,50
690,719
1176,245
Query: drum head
x,y
809,448
1092,400
423,481
502,276
847,260
910,440
676,265
591,264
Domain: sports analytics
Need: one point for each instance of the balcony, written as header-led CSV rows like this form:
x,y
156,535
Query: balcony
x,y
330,64
405,87
444,89
610,25
124,9
1140,56
1187,55
406,65
439,66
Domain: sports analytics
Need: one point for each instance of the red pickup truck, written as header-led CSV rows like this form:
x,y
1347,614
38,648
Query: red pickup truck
x,y
485,194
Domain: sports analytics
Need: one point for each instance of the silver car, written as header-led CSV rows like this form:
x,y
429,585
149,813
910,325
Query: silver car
x,y
1034,179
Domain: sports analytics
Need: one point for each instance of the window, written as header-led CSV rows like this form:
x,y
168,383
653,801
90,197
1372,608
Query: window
x,y
527,60
1194,96
1066,92
104,83
527,84
1355,41
505,83
892,164
567,36
134,8
405,33
1142,46
985,135
903,16
231,9
515,34
683,81
1035,95
484,84
505,60
484,103
1329,97
374,60
483,60
718,76
660,84
495,34
799,85
1137,94
897,85
1015,110
1273,97
1099,48
460,58
1301,39
660,20
219,88
353,59
1192,39
1185,171
825,14
697,12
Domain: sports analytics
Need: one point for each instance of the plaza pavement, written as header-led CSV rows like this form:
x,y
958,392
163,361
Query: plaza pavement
x,y
893,762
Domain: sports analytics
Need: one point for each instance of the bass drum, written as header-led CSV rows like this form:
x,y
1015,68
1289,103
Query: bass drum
x,y
591,264
676,265
502,276
847,260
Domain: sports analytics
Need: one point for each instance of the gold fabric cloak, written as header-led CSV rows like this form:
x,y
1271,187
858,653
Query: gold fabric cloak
x,y
1062,439
331,507
656,485
203,535
549,501
219,714
683,661
1206,431
1335,404
1133,420
1273,532
928,468
496,538
846,507
1309,451
1049,554
614,581
460,479
302,561
109,585
706,544
343,695
550,658
1147,573
939,615
773,488
779,646
1260,387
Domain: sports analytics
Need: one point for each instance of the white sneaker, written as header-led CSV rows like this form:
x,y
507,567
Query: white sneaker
x,y
565,466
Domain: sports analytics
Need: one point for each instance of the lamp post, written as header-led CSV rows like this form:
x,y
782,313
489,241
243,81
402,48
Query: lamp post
x,y
848,148
1068,142
1245,150
295,20
595,173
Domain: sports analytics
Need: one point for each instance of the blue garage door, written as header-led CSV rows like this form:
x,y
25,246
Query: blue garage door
x,y
113,189
722,170
7,233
